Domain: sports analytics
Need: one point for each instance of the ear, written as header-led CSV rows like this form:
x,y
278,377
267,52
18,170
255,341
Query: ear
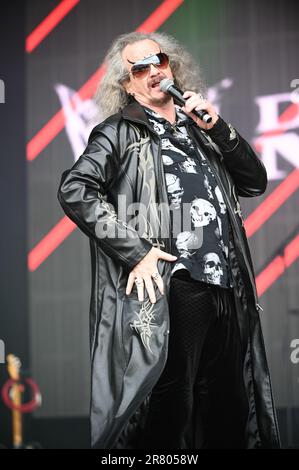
x,y
127,86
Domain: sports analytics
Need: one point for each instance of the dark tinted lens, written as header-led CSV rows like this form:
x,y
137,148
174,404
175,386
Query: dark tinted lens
x,y
140,70
164,60
160,60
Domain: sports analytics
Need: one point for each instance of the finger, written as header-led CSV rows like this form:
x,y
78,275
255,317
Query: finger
x,y
202,105
166,256
187,94
195,103
140,288
200,108
130,283
150,289
195,97
159,281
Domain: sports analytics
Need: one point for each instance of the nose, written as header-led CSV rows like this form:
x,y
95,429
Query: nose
x,y
153,70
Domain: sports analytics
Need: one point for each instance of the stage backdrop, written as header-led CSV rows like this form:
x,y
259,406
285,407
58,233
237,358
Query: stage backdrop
x,y
248,52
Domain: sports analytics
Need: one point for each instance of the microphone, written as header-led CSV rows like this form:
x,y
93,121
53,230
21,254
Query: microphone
x,y
169,87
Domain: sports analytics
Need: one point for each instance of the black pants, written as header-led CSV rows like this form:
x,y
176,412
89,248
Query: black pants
x,y
199,400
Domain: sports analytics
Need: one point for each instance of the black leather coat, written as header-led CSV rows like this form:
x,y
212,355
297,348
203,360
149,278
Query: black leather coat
x,y
129,338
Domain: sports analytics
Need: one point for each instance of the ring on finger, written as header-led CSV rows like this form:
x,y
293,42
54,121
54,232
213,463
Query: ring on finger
x,y
138,282
156,276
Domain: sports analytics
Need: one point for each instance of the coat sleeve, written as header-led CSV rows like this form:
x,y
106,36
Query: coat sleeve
x,y
82,194
246,169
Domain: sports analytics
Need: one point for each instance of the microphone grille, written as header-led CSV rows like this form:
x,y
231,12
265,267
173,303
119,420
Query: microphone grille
x,y
165,84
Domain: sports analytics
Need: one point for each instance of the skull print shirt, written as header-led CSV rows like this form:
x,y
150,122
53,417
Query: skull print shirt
x,y
199,221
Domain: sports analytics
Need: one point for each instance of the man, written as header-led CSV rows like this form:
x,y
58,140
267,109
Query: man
x,y
178,358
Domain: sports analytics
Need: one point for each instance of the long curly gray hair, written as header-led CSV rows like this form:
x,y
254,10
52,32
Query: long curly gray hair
x,y
111,96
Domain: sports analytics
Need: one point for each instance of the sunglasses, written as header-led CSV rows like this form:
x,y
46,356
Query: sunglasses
x,y
141,68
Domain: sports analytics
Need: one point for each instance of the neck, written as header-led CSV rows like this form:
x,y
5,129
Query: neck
x,y
166,110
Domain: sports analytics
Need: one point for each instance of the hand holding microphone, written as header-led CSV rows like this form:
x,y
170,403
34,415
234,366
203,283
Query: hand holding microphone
x,y
192,104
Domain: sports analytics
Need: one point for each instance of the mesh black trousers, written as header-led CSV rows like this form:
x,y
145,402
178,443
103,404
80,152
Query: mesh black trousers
x,y
199,401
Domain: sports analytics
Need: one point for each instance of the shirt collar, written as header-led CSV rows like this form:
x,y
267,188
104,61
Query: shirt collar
x,y
181,117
